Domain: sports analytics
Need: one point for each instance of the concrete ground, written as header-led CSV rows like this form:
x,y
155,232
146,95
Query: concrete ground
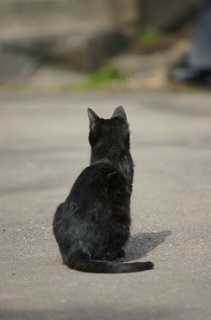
x,y
44,146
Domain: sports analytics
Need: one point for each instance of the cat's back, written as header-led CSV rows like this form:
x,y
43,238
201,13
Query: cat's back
x,y
96,181
97,191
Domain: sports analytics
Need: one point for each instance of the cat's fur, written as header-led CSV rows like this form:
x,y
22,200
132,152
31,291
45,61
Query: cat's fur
x,y
92,225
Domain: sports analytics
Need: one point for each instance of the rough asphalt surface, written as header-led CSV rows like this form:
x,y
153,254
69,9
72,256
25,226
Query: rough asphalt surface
x,y
44,146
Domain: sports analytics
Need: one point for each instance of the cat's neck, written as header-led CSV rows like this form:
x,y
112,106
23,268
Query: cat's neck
x,y
114,157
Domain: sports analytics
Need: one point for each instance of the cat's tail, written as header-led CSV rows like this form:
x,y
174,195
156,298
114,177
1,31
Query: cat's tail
x,y
101,266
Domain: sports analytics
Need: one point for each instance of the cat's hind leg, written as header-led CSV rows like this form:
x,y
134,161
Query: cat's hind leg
x,y
111,255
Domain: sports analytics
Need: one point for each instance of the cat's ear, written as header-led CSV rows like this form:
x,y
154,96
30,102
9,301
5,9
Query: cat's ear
x,y
93,119
119,112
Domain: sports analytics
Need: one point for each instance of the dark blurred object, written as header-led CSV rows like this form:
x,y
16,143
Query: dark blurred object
x,y
191,75
198,68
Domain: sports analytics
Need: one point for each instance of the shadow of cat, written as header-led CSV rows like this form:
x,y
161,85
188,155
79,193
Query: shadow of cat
x,y
142,243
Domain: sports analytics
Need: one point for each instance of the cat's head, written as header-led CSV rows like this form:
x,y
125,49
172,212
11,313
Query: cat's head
x,y
109,133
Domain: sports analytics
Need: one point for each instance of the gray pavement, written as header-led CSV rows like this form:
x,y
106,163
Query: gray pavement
x,y
44,146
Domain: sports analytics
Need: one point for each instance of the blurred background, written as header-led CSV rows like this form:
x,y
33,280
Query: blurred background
x,y
67,45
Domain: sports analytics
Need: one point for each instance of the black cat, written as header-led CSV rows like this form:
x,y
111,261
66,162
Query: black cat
x,y
93,224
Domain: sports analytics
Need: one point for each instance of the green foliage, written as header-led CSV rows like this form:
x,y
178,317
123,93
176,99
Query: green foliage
x,y
100,77
148,36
